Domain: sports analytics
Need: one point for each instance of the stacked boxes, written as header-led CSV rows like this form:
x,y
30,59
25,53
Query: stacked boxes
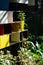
x,y
1,29
10,17
22,25
3,17
4,4
18,19
15,37
18,26
5,29
4,41
10,31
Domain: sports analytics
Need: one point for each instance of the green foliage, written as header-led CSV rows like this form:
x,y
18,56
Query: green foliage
x,y
36,50
41,62
7,59
26,57
26,26
21,16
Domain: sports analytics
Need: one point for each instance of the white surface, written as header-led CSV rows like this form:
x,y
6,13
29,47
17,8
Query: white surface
x,y
2,13
10,16
3,17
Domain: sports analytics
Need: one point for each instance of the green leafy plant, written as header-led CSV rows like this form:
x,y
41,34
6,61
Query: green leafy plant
x,y
21,16
36,50
7,59
25,57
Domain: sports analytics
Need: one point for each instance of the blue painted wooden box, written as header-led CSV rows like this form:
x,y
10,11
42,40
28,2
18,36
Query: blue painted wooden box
x,y
4,4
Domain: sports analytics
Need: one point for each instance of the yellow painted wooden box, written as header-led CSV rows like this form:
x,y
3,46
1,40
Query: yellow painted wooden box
x,y
4,41
18,26
22,25
15,37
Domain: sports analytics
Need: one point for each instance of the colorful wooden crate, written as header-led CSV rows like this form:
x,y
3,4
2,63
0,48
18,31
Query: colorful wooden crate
x,y
4,41
15,27
22,25
4,4
3,17
10,16
1,29
5,29
15,37
18,26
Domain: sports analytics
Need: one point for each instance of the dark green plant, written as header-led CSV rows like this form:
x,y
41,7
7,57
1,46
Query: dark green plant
x,y
26,25
41,62
21,16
